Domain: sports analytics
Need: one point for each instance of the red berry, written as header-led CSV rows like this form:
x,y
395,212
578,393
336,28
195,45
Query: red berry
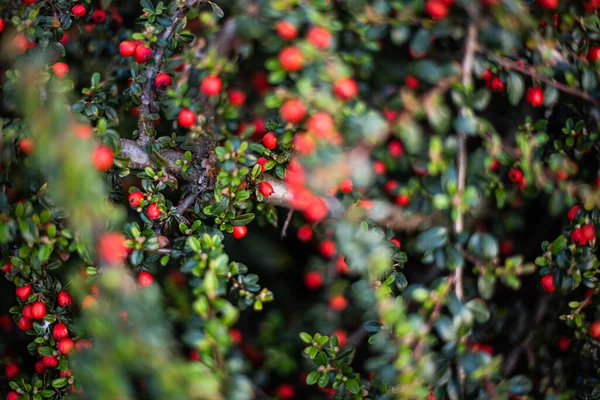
x,y
412,82
78,10
496,84
142,54
338,303
50,361
83,344
395,148
27,146
547,282
396,242
402,200
346,186
135,198
341,265
304,233
316,211
345,89
588,232
27,312
2,24
293,111
99,16
40,368
127,48
162,80
235,335
211,85
12,370
145,279
286,30
436,9
38,310
321,124
313,280
60,331
29,1
12,396
285,391
64,299
577,237
547,4
25,324
291,59
237,98
327,248
7,267
535,96
573,212
265,189
239,232
60,69
595,329
342,337
593,54
153,211
563,343
515,175
102,157
591,5
262,161
186,118
379,167
270,141
23,292
111,248
319,37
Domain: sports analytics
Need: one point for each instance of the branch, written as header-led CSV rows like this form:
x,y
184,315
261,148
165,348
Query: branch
x,y
148,105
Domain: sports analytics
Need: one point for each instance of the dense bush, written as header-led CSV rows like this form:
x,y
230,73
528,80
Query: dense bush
x,y
416,182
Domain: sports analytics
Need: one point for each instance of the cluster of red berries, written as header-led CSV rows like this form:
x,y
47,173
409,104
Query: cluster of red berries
x,y
137,49
492,82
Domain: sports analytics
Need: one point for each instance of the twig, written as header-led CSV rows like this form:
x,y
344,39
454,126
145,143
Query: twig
x,y
286,223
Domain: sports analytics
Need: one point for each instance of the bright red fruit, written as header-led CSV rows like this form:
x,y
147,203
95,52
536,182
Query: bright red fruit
x,y
588,232
237,98
402,200
60,69
99,16
342,337
436,9
29,1
305,233
396,242
2,24
346,186
27,311
27,146
593,54
293,111
412,82
319,37
83,344
12,370
285,391
102,157
265,189
186,118
60,331
239,232
12,396
345,89
40,368
595,329
515,175
78,10
65,346
145,279
211,85
25,324
127,48
321,124
547,282
535,96
395,149
286,30
316,211
313,280
142,54
236,336
496,84
23,292
64,299
291,59
162,80
591,5
563,343
153,211
50,361
327,248
135,198
262,161
111,248
547,4
338,303
38,310
270,141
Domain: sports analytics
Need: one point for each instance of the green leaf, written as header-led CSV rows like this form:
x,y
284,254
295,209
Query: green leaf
x,y
323,380
60,382
479,310
312,378
515,88
352,386
217,10
431,239
243,219
306,338
519,385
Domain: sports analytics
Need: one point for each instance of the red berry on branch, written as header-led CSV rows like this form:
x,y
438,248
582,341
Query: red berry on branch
x,y
293,111
563,343
235,335
286,30
40,368
547,4
102,157
270,141
547,282
395,149
38,310
341,265
162,80
412,82
316,211
402,200
239,232
25,324
65,345
127,48
573,212
135,198
265,189
237,98
78,10
262,161
577,237
379,167
12,370
588,232
396,242
23,292
60,69
535,96
142,54
64,299
338,303
515,175
99,16
153,211
186,118
211,85
595,329
305,233
7,267
436,9
111,248
291,59
2,24
345,89
496,84
285,391
26,312
591,5
145,279
12,396
319,37
60,331
50,361
27,146
83,344
313,280
346,186
342,337
321,124
327,248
